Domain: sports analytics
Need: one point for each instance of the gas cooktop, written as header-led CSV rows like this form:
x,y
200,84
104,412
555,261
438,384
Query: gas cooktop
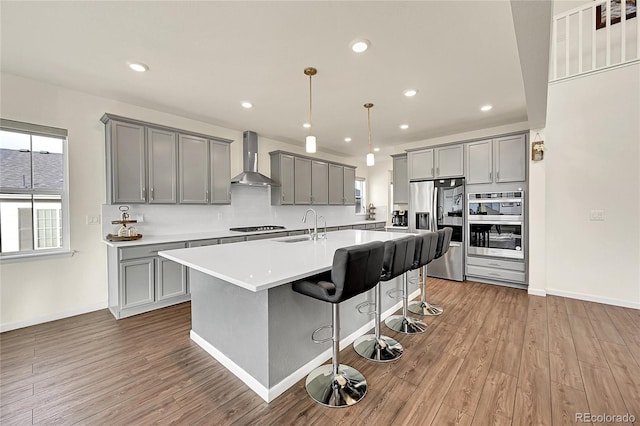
x,y
257,228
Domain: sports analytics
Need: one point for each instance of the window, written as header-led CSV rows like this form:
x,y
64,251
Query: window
x,y
361,196
33,190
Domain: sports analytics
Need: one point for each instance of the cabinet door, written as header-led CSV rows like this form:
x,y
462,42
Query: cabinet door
x,y
479,162
194,170
137,282
400,181
449,161
509,158
128,163
302,181
163,164
319,182
421,164
349,186
171,279
336,184
287,174
220,172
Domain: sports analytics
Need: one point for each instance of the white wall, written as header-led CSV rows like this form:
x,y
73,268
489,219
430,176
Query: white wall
x,y
592,163
40,290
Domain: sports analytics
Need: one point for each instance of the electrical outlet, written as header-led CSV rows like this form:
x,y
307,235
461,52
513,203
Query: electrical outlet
x,y
140,218
596,215
93,220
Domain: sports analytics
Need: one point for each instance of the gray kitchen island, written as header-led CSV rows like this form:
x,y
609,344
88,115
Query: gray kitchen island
x,y
245,314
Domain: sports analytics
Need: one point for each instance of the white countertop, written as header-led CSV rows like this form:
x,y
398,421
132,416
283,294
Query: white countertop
x,y
218,233
263,264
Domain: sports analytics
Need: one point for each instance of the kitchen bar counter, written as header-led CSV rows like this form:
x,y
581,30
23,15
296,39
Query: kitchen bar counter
x,y
245,314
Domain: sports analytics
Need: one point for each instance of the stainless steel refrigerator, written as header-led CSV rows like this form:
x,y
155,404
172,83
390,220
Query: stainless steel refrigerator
x,y
437,204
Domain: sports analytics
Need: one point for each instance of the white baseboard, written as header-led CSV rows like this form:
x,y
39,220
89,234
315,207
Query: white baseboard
x,y
52,317
269,394
592,298
537,291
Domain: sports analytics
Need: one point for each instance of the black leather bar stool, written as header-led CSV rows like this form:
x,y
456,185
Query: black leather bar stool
x,y
440,247
355,269
374,346
403,323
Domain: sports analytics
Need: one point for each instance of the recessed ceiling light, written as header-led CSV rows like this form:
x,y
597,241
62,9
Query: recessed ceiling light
x,y
306,125
360,45
247,105
404,126
137,66
410,92
376,149
347,139
486,108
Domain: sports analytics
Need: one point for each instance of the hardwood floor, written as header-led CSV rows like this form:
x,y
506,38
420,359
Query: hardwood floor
x,y
496,356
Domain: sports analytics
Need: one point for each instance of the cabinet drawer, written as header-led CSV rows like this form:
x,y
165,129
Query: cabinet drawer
x,y
335,228
495,274
358,227
370,226
201,243
147,251
231,240
493,263
300,232
343,228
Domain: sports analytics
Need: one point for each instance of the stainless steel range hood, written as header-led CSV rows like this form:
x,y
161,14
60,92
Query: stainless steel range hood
x,y
250,175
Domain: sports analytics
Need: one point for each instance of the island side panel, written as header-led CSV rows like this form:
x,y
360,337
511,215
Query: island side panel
x,y
233,320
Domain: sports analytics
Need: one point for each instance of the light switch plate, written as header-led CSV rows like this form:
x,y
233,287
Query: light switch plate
x,y
140,218
93,220
596,215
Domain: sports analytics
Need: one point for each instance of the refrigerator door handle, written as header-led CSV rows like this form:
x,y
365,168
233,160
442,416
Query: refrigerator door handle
x,y
435,209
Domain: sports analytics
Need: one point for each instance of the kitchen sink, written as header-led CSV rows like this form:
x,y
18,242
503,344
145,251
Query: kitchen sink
x,y
295,240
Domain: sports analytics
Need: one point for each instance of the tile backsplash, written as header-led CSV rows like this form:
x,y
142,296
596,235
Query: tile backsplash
x,y
249,206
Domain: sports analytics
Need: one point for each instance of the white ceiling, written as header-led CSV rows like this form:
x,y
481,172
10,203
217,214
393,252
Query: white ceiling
x,y
207,57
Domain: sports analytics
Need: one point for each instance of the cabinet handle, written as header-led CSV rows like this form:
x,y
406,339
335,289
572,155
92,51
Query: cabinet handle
x,y
498,175
151,194
432,174
494,264
438,170
283,196
490,175
144,191
207,195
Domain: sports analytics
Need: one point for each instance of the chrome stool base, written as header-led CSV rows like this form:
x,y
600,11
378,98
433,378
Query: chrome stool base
x,y
425,308
341,390
405,325
384,349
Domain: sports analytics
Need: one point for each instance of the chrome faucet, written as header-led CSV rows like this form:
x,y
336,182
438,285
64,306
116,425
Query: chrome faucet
x,y
312,235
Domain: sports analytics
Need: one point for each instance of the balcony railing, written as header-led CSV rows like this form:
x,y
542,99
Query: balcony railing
x,y
589,38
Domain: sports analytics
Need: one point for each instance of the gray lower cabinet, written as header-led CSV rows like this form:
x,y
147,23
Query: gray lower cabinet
x,y
140,281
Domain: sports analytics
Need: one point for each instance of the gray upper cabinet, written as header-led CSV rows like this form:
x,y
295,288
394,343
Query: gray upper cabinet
x,y
220,163
449,161
420,164
336,184
509,158
193,175
162,147
319,182
282,172
302,181
126,153
479,162
349,186
400,179
151,163
497,160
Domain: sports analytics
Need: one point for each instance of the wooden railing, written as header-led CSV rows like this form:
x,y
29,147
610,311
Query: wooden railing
x,y
588,38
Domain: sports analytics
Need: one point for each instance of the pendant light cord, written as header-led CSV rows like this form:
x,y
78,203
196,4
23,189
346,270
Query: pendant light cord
x,y
310,107
369,125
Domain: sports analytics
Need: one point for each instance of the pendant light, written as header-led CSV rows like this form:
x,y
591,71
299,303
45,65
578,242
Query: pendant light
x,y
310,140
370,158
